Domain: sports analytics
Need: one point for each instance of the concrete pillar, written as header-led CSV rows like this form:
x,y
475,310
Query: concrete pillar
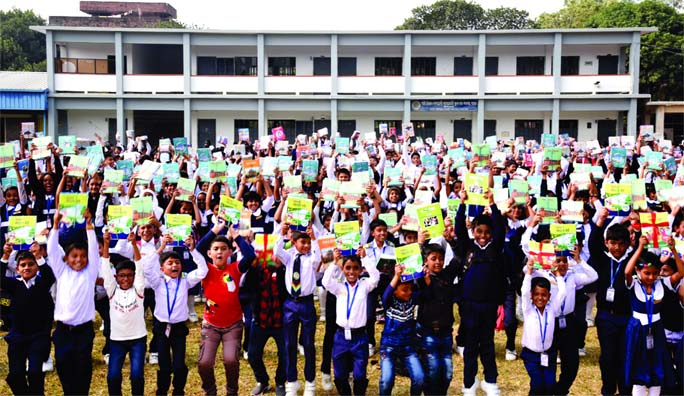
x,y
620,123
622,57
632,118
634,59
119,62
480,119
261,70
187,64
333,68
481,61
187,121
261,117
660,119
406,68
407,111
557,58
121,121
555,117
51,128
333,119
51,119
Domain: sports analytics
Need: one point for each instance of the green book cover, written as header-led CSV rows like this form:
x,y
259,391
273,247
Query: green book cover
x,y
21,231
231,181
233,169
171,171
330,189
8,182
179,226
203,154
360,166
618,157
112,181
389,218
78,164
309,170
431,219
342,145
411,215
618,198
284,163
564,237
654,159
292,183
95,158
571,211
662,185
518,190
185,189
142,210
411,258
639,195
268,166
393,177
217,170
229,209
552,157
6,156
348,237
119,220
351,192
298,212
204,172
581,168
72,206
458,157
180,145
597,172
550,206
452,208
548,140
483,153
430,164
534,182
127,167
476,186
67,144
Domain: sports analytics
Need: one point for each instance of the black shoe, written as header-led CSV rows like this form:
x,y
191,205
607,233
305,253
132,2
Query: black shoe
x,y
260,389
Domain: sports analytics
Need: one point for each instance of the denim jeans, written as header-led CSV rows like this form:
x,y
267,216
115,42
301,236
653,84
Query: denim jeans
x,y
117,355
435,350
388,354
255,354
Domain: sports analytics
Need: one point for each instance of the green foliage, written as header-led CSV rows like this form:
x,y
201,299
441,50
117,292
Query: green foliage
x,y
574,14
20,47
170,24
463,15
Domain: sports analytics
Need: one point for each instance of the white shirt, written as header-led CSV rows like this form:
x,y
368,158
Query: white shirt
x,y
374,252
126,308
124,248
577,276
351,300
307,270
538,327
75,302
173,309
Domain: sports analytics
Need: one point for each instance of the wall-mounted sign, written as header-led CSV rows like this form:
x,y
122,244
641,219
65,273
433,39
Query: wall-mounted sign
x,y
444,105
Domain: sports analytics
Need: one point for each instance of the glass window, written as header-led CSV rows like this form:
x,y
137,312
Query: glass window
x,y
529,129
246,66
569,65
530,65
282,66
388,67
423,66
346,66
252,125
346,127
321,66
425,129
463,66
492,66
206,65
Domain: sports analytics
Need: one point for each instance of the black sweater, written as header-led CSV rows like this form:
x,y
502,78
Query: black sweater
x,y
32,309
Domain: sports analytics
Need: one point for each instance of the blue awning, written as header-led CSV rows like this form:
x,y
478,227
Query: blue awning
x,y
23,100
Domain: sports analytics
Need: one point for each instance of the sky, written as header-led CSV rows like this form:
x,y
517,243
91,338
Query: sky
x,y
287,15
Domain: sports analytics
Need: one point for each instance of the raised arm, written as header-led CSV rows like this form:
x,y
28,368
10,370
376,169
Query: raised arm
x,y
674,278
54,251
195,276
629,269
106,267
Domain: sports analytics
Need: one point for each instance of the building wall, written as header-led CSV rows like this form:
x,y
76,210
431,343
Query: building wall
x,y
86,123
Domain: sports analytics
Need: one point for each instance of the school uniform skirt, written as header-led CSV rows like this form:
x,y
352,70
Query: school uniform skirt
x,y
649,367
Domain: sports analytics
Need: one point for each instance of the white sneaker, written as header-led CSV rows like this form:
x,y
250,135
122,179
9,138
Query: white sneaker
x,y
590,322
245,355
310,388
459,350
558,359
322,319
582,352
154,358
102,327
511,355
472,391
106,359
291,388
48,365
490,389
371,350
193,316
300,348
327,382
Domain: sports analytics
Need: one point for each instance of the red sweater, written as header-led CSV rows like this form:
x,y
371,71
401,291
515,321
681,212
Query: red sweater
x,y
221,288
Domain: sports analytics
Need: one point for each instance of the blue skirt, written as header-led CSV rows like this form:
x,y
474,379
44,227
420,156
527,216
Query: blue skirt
x,y
643,366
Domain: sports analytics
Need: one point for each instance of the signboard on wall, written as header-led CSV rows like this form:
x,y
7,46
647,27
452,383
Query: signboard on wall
x,y
444,105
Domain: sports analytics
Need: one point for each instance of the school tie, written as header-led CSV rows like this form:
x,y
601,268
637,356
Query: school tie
x,y
296,276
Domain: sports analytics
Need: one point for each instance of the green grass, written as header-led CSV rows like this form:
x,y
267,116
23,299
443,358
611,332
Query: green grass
x,y
513,379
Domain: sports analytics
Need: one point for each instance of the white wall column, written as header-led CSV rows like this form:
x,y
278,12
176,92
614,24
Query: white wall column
x,y
557,59
632,118
634,59
481,62
478,137
555,117
333,120
119,62
121,121
51,128
261,117
333,69
187,121
406,68
261,70
187,64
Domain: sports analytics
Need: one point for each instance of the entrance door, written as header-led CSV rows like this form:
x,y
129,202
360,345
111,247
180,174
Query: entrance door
x,y
111,124
606,128
158,124
206,132
463,129
608,64
529,129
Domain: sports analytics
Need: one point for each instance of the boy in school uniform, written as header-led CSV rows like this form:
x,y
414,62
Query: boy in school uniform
x,y
32,311
163,274
76,271
351,338
300,261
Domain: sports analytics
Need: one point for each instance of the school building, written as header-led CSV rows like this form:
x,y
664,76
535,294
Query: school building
x,y
470,84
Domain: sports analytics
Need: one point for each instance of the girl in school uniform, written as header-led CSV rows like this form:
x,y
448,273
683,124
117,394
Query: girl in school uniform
x,y
647,364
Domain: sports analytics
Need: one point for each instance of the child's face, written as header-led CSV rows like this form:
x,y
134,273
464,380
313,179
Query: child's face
x,y
303,245
146,232
393,196
666,271
562,265
540,296
679,229
186,208
380,233
48,183
253,206
403,291
219,253
351,270
171,267
482,234
12,197
648,274
27,268
124,277
457,187
435,262
77,259
94,185
616,248
215,210
343,177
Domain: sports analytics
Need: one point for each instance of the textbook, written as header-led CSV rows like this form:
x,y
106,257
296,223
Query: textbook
x,y
452,209
203,154
430,165
67,144
476,186
552,157
543,254
298,213
348,237
327,245
185,189
230,209
263,246
21,231
251,170
231,181
483,153
292,183
8,182
458,157
78,164
179,226
282,147
330,189
655,226
550,206
389,218
618,198
310,170
217,170
654,159
119,220
407,130
233,169
534,182
393,177
518,190
171,171
342,145
243,134
430,218
548,140
661,186
6,156
411,215
351,192
268,165
386,263
147,170
126,166
618,157
203,171
411,258
112,181
564,238
72,206
41,151
571,211
165,145
284,163
423,197
360,166
142,210
278,133
582,180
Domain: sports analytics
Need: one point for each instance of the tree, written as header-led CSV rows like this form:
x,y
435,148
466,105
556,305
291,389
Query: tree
x,y
20,47
462,15
573,15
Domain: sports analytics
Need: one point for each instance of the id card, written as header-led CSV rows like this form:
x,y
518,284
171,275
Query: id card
x,y
544,360
561,322
186,255
347,334
610,294
649,341
167,332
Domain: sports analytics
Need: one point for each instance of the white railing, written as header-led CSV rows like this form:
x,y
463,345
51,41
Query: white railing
x,y
95,83
153,83
444,85
370,85
519,85
224,84
597,84
297,84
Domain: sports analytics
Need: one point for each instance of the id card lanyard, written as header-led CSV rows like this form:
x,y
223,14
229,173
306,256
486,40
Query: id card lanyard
x,y
170,305
544,357
347,330
610,293
649,314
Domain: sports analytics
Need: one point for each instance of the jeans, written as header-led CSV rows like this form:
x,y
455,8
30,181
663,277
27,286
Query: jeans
x,y
255,354
150,303
168,363
435,350
117,356
246,304
102,308
35,348
73,357
542,379
479,320
212,336
388,354
295,313
611,334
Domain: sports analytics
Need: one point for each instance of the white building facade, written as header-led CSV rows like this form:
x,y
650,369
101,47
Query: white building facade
x,y
460,84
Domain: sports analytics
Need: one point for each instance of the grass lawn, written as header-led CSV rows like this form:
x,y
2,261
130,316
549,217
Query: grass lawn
x,y
512,380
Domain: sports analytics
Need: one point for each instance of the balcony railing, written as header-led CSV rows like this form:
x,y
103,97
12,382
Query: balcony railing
x,y
370,85
224,84
517,85
153,83
596,84
91,83
297,84
444,85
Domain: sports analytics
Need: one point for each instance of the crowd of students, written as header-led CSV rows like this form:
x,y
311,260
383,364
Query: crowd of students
x,y
489,260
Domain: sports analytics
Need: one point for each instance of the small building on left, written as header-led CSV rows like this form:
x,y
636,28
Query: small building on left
x,y
23,100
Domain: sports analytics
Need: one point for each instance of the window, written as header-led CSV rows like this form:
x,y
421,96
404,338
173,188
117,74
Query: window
x,y
423,66
529,129
321,66
530,65
425,129
608,64
225,66
111,65
463,66
388,66
346,127
288,126
346,66
568,126
390,124
569,65
282,66
463,129
212,66
82,66
489,128
252,125
245,66
491,66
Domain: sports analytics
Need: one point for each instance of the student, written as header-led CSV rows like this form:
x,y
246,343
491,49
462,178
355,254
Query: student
x,y
32,311
648,367
222,314
300,261
398,335
673,321
125,292
350,352
76,271
538,352
163,275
